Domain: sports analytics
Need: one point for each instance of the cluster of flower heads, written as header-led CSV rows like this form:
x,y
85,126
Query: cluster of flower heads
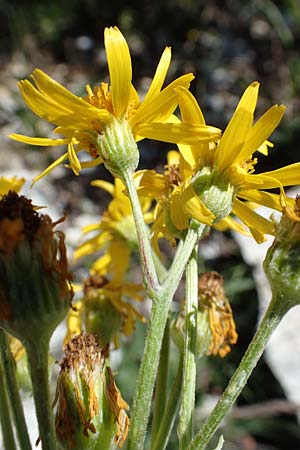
x,y
210,178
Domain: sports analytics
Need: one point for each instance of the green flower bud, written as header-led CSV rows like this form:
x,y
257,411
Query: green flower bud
x,y
118,148
90,412
216,194
34,279
204,335
282,263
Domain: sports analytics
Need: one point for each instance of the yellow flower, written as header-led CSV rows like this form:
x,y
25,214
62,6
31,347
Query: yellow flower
x,y
105,309
217,179
10,184
116,233
82,121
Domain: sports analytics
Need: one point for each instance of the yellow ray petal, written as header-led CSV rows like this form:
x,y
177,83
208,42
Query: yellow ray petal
x,y
184,204
287,176
45,142
162,105
264,198
178,215
258,225
101,265
59,93
188,155
74,161
181,133
261,130
229,222
119,252
52,166
10,184
92,163
152,184
195,208
159,77
42,106
238,128
93,245
108,187
92,227
189,108
264,148
120,71
134,96
173,158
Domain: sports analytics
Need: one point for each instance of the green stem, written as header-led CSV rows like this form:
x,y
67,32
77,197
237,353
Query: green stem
x,y
168,419
275,312
37,354
9,368
161,302
146,255
161,383
161,270
186,423
5,419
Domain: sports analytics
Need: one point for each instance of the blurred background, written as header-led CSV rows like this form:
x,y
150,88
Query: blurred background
x,y
227,45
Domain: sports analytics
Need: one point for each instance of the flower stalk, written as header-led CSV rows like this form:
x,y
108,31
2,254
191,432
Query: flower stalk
x,y
146,255
171,409
161,383
9,378
5,417
186,422
161,296
38,368
275,312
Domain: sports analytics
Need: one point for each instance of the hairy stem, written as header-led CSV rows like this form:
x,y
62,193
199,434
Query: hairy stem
x,y
146,255
161,382
9,373
186,423
161,302
275,312
171,410
5,418
37,354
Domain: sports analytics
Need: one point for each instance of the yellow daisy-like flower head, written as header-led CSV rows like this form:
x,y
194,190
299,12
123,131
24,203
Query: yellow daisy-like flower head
x,y
104,309
116,233
217,179
107,122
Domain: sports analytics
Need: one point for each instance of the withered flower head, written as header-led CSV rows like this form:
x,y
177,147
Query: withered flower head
x,y
34,280
215,325
90,410
213,302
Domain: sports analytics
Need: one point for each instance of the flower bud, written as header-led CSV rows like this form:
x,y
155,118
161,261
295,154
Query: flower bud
x,y
118,148
216,194
90,412
282,263
34,279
